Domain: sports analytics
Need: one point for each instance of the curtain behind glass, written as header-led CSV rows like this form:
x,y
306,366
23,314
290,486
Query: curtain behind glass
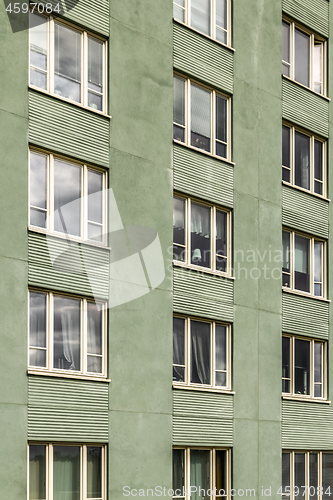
x,y
200,118
200,352
178,476
318,66
200,15
200,235
66,473
67,198
37,472
37,329
67,333
200,473
327,475
67,62
302,57
302,263
94,472
302,160
179,349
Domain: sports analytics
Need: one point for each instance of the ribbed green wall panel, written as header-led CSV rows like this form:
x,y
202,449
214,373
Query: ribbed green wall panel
x,y
304,108
65,128
202,418
204,59
91,14
311,13
307,426
198,175
304,212
79,268
202,295
305,316
67,410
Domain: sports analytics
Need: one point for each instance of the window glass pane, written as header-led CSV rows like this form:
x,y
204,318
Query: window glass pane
x,y
94,472
318,166
313,479
179,229
302,57
327,475
285,470
318,67
178,13
38,50
200,15
200,473
38,79
318,367
302,263
67,333
221,20
286,259
37,472
200,235
94,336
302,160
286,46
200,118
302,367
95,199
38,189
178,472
318,277
200,352
67,198
178,349
220,347
221,240
299,475
67,62
221,472
95,65
179,109
286,153
37,327
221,126
66,473
285,364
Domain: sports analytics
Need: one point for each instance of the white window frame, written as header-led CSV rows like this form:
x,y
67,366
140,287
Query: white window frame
x,y
313,240
187,478
312,367
83,467
187,127
84,199
313,39
313,138
187,246
187,20
83,337
85,34
187,369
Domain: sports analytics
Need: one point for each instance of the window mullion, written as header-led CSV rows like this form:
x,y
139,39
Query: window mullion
x,y
312,368
188,111
312,263
312,159
84,70
311,62
292,365
84,203
212,351
83,482
292,247
51,193
292,50
212,470
213,240
188,350
292,144
213,122
188,230
84,335
320,471
50,335
49,474
187,468
292,475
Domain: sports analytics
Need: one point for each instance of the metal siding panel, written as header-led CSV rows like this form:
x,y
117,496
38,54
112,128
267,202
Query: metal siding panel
x,y
65,128
197,56
304,108
204,295
70,273
67,410
304,212
202,418
198,175
307,426
305,316
312,13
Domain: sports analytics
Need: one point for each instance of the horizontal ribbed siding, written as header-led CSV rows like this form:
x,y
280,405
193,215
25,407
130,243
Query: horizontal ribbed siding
x,y
202,295
197,56
303,107
202,418
65,128
198,175
312,13
68,410
307,426
304,212
305,316
80,269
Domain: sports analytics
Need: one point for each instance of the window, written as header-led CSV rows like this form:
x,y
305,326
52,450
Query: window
x,y
307,475
303,57
211,17
303,367
67,197
67,62
201,353
66,334
303,160
303,263
201,117
204,469
201,235
63,471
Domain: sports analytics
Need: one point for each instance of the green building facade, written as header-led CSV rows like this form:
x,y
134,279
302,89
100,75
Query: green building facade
x,y
98,301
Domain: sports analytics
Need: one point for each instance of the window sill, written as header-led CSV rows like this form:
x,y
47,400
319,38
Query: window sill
x,y
306,400
298,188
68,101
199,388
226,46
71,239
301,294
68,375
305,87
201,151
203,270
